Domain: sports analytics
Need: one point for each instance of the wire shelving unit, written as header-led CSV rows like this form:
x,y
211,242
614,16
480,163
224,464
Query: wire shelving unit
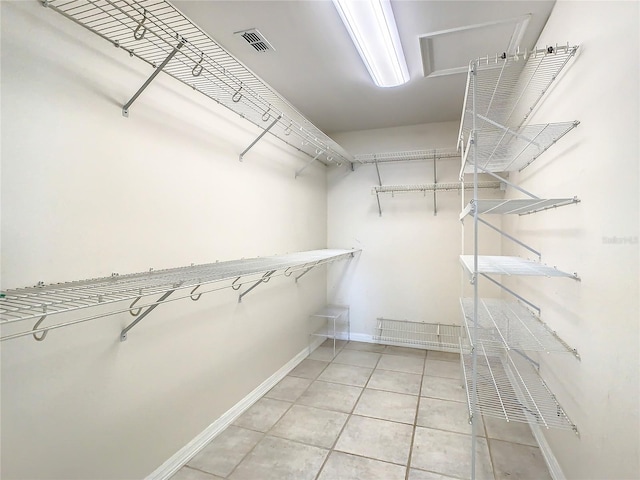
x,y
511,325
509,387
433,336
406,156
495,137
159,34
46,301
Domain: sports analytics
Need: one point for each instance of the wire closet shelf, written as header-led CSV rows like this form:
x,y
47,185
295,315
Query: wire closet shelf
x,y
505,90
430,187
42,301
511,325
155,31
434,336
504,265
510,388
406,156
514,206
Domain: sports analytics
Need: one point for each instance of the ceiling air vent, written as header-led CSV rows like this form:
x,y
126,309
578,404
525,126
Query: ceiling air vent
x,y
254,38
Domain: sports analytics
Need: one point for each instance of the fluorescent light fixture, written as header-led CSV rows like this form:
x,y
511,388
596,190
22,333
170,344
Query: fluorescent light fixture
x,y
373,30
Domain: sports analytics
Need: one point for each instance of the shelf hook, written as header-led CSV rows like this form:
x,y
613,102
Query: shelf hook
x,y
288,274
266,116
35,327
234,286
193,297
237,96
287,131
137,311
197,69
140,36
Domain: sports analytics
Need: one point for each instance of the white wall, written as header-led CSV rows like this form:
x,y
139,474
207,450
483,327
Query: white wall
x,y
409,265
86,192
598,162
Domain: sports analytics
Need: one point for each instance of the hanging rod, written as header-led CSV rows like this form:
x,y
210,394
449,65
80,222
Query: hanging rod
x,y
148,30
45,301
428,187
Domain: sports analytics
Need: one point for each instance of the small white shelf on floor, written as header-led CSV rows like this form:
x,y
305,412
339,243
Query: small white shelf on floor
x,y
512,326
510,388
335,316
515,206
504,265
432,336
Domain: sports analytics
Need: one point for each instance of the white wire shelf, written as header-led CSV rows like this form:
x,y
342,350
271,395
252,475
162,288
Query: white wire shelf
x,y
508,87
430,187
406,156
47,300
504,265
515,206
510,388
511,325
500,149
153,29
434,336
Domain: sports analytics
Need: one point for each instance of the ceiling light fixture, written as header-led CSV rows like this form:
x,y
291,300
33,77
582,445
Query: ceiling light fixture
x,y
373,30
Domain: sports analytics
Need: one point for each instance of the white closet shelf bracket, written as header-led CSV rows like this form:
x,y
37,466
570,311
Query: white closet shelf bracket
x,y
160,35
125,293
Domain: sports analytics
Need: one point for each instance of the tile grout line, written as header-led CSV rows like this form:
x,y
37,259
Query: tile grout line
x,y
415,422
350,414
264,434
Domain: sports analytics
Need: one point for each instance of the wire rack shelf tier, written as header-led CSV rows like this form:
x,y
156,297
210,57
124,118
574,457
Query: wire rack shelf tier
x,y
505,265
430,187
511,325
433,336
152,30
514,206
501,149
34,302
510,388
508,87
405,156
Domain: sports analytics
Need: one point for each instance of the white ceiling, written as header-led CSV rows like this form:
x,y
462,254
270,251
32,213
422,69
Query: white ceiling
x,y
317,69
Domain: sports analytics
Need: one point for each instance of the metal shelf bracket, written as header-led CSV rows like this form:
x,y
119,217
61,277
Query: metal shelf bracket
x,y
318,153
264,132
125,108
139,316
265,278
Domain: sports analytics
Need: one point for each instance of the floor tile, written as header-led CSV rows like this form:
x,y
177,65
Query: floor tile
x,y
343,466
330,396
442,368
310,425
346,374
401,364
398,382
446,415
308,368
509,431
357,358
225,451
396,407
518,461
186,473
378,439
324,354
289,388
406,351
443,388
449,453
364,346
280,459
415,474
262,415
446,356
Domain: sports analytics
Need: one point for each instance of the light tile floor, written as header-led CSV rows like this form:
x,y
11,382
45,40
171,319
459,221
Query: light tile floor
x,y
373,412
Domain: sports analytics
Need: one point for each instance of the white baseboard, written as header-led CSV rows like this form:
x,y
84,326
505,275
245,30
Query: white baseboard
x,y
552,463
186,453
